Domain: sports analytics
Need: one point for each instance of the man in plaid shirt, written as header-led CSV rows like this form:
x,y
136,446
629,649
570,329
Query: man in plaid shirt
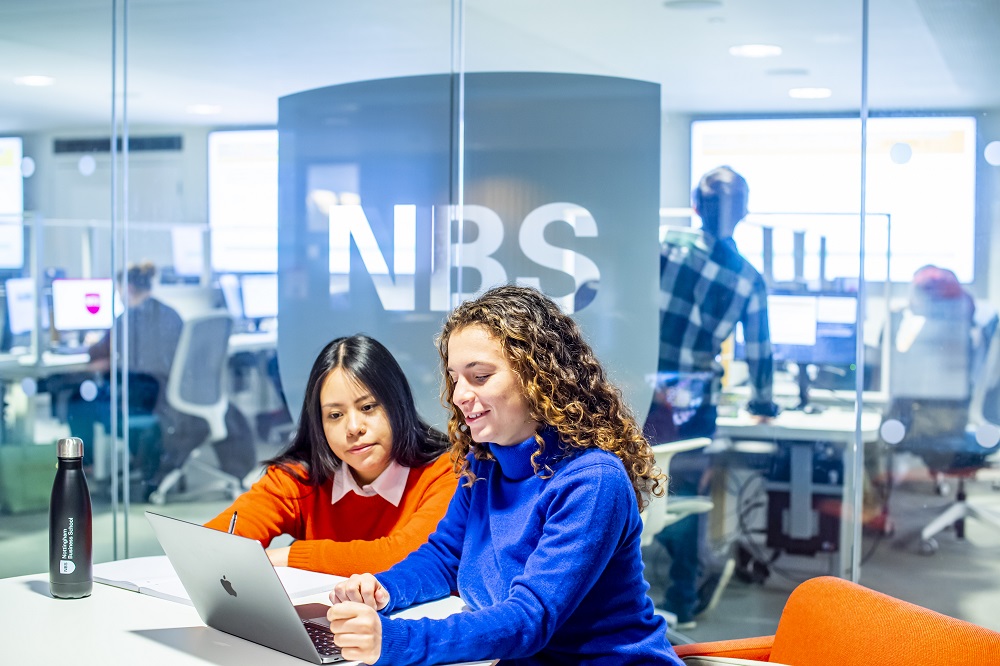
x,y
706,287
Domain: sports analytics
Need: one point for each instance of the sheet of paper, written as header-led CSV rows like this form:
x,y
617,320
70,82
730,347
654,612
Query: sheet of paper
x,y
155,576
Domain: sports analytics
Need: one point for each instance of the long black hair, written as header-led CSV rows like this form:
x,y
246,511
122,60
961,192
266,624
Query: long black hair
x,y
367,361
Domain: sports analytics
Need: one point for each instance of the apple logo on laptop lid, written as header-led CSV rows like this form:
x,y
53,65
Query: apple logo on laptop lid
x,y
227,586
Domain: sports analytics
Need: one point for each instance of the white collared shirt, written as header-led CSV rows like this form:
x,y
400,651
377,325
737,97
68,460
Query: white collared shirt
x,y
390,484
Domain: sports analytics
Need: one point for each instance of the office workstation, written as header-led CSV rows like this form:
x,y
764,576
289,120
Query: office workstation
x,y
229,216
932,360
49,374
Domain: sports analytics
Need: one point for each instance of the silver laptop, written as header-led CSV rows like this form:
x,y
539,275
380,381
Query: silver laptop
x,y
235,589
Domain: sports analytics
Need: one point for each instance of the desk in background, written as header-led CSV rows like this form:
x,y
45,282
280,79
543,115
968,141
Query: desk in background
x,y
787,394
14,369
253,342
800,432
17,367
115,626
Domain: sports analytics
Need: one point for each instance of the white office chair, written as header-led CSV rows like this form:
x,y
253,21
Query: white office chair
x,y
196,388
660,512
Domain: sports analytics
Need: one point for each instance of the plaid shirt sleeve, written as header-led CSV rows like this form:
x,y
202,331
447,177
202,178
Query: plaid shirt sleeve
x,y
758,350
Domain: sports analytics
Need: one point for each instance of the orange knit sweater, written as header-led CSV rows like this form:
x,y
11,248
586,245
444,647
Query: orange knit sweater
x,y
355,535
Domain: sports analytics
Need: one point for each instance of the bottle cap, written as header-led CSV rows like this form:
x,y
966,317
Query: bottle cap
x,y
70,447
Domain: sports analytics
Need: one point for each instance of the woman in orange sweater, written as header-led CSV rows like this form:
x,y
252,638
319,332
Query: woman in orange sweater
x,y
363,483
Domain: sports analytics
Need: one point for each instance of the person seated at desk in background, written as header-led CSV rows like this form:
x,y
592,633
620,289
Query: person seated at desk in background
x,y
364,480
542,538
706,288
934,361
153,331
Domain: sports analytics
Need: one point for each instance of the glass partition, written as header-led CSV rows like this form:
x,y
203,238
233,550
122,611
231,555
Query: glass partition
x,y
288,174
57,78
938,434
110,134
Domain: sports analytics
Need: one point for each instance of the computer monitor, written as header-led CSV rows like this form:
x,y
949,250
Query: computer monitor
x,y
170,276
19,307
84,304
20,293
259,295
187,245
810,328
230,286
813,328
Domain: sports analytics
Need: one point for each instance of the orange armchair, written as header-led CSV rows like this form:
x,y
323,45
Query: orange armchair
x,y
829,621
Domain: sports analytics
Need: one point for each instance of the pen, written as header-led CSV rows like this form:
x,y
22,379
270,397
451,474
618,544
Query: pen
x,y
232,523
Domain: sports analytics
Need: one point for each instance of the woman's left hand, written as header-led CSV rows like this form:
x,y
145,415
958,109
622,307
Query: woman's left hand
x,y
357,630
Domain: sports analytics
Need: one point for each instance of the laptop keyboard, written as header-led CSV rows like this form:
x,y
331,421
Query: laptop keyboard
x,y
319,632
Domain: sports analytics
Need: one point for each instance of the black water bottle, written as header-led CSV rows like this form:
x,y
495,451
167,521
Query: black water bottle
x,y
71,567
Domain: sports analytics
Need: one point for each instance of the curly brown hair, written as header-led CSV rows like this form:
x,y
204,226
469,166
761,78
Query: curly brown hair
x,y
565,385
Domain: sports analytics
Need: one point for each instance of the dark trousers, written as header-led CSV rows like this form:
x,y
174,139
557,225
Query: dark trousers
x,y
82,415
688,477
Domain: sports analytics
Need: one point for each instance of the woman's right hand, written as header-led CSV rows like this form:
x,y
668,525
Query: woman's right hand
x,y
362,588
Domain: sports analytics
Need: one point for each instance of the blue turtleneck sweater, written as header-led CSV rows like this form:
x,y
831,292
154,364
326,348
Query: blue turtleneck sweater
x,y
551,569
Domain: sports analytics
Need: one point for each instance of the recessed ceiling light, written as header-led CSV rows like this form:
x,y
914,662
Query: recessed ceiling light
x,y
204,109
788,71
35,80
755,51
810,93
692,4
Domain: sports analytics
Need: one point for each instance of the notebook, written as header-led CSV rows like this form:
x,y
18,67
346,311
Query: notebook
x,y
235,589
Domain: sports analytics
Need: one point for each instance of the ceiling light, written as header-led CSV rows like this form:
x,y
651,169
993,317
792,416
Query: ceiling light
x,y
809,93
755,51
788,71
35,80
204,109
692,4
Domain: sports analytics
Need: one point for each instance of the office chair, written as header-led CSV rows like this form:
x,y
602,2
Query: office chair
x,y
198,415
829,621
660,513
972,451
949,404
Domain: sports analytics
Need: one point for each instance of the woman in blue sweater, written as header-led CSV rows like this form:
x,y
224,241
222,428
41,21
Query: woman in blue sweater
x,y
541,540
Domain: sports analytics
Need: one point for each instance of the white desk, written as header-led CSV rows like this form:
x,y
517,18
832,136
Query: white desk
x,y
800,431
786,393
115,626
15,367
253,342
